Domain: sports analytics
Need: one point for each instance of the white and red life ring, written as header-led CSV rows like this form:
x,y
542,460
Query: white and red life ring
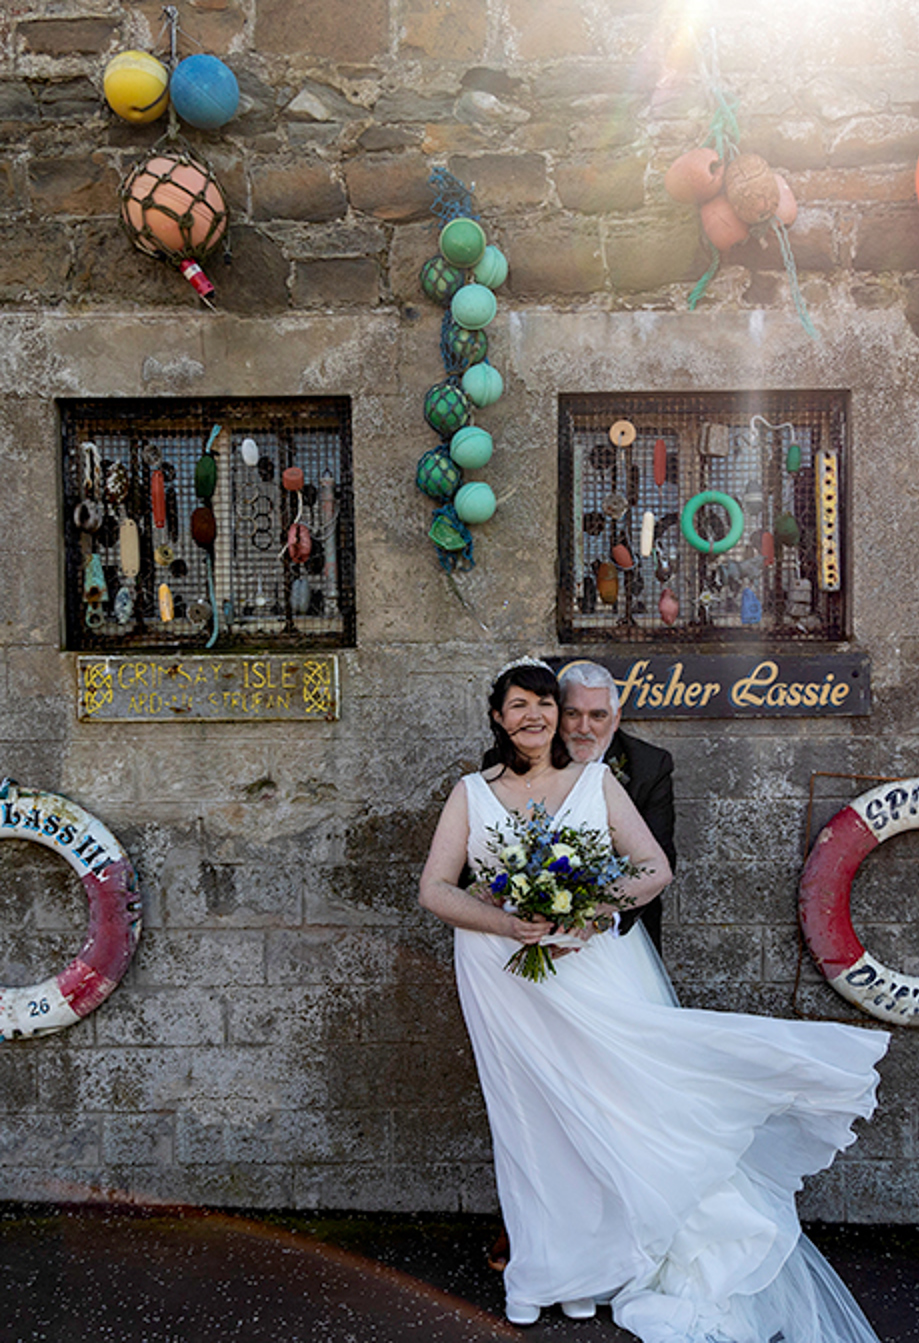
x,y
823,901
114,912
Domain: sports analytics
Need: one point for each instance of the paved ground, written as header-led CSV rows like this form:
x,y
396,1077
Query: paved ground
x,y
79,1273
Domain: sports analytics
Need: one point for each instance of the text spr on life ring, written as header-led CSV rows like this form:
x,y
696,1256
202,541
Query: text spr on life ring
x,y
823,902
114,912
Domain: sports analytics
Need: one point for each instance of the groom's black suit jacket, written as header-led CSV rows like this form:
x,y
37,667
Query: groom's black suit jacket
x,y
646,773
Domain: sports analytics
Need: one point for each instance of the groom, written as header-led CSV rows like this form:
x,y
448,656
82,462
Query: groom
x,y
590,729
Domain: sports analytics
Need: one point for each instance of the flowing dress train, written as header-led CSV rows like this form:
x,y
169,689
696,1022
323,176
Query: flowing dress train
x,y
653,1152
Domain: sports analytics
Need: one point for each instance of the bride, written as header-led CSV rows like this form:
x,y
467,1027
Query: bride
x,y
645,1154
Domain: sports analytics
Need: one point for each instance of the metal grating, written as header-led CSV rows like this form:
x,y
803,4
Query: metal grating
x,y
743,445
245,591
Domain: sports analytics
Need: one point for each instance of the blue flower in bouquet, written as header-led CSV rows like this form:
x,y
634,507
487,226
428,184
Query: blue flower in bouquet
x,y
564,859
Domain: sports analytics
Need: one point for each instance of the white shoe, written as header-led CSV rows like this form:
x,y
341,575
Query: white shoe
x,y
521,1312
582,1309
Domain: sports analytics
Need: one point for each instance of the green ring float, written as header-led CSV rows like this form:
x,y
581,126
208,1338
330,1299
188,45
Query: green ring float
x,y
734,512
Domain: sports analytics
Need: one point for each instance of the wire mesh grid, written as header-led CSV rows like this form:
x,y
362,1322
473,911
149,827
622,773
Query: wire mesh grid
x,y
150,560
627,576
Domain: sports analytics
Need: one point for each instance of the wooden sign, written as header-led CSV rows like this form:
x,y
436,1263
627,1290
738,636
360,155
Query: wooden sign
x,y
200,689
737,685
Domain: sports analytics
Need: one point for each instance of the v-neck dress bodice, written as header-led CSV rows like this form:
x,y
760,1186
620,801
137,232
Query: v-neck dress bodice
x,y
651,1151
584,801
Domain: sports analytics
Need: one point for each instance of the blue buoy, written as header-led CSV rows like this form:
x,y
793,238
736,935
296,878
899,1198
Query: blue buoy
x,y
204,92
751,608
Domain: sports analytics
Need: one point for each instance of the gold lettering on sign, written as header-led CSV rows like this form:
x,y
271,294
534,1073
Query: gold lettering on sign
x,y
763,688
772,686
200,688
674,692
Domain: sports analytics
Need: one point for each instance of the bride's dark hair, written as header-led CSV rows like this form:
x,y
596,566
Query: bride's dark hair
x,y
541,681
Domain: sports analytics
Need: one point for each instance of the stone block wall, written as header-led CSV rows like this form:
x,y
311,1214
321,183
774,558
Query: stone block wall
x,y
287,1035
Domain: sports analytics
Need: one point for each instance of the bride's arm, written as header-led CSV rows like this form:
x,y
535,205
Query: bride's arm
x,y
632,838
440,894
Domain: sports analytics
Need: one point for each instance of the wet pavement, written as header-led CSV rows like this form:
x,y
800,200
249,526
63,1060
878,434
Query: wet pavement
x,y
74,1273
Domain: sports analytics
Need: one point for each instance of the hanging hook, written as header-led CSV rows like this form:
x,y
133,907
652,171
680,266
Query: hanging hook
x,y
776,428
172,21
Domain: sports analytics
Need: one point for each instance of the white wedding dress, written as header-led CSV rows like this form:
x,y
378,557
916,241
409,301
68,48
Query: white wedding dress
x,y
653,1152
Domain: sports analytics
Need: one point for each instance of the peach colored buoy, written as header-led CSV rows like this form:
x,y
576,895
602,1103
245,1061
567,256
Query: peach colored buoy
x,y
695,177
722,225
787,209
668,606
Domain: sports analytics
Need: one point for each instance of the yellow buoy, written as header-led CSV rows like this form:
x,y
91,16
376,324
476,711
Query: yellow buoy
x,y
166,604
136,86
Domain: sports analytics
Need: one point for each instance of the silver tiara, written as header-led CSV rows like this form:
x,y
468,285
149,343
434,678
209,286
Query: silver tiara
x,y
523,662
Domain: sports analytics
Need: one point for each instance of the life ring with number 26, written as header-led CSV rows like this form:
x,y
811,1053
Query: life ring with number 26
x,y
823,901
688,522
114,912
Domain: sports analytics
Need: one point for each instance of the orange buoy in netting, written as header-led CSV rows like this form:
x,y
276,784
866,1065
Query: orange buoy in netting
x,y
173,208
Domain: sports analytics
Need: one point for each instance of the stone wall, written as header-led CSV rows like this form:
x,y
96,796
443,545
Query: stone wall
x,y
287,1034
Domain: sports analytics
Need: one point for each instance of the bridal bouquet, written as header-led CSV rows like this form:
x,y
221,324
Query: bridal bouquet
x,y
557,871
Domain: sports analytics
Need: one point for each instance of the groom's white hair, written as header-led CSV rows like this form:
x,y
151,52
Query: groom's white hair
x,y
591,675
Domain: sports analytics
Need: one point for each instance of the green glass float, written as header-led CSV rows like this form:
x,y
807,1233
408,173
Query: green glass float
x,y
446,408
492,269
443,533
475,502
206,476
438,476
440,280
463,242
465,347
786,530
482,384
472,447
473,306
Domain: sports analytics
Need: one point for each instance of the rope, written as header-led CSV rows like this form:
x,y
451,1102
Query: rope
x,y
453,199
211,594
173,27
781,233
452,365
464,603
723,131
702,284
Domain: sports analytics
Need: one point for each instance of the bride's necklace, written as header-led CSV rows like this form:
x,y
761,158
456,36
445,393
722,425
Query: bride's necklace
x,y
521,790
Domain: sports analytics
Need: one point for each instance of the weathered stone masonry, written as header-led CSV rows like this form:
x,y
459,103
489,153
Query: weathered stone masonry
x,y
288,1034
